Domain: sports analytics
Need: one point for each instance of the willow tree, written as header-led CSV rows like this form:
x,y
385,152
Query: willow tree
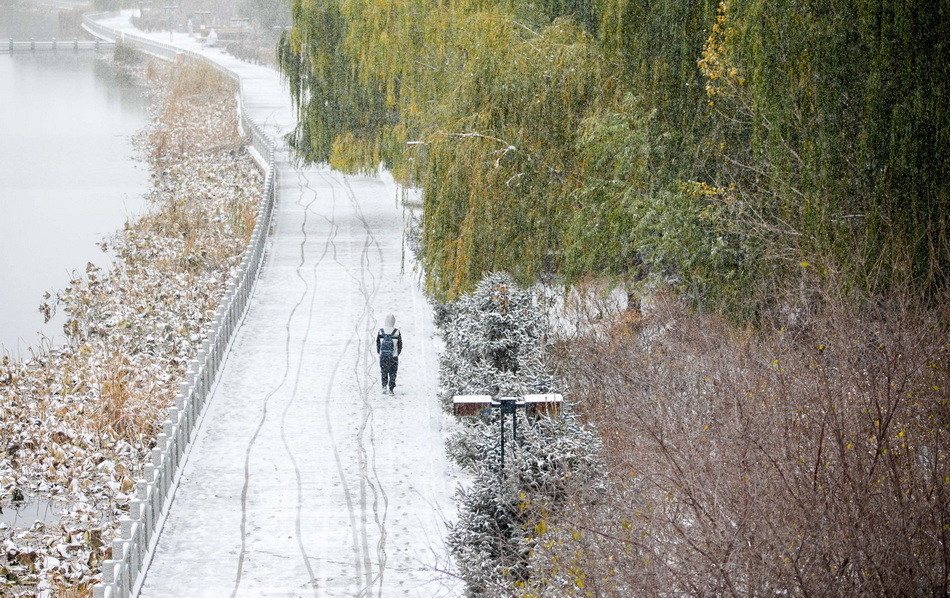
x,y
500,168
326,85
830,119
725,145
477,102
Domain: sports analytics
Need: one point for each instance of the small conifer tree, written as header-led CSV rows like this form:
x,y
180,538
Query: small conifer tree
x,y
494,345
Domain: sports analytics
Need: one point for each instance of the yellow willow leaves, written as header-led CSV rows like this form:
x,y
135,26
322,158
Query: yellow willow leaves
x,y
716,63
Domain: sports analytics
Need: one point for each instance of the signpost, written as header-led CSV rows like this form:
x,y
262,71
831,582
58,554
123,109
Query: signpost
x,y
170,9
543,404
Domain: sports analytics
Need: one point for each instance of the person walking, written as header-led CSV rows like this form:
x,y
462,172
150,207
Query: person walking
x,y
389,346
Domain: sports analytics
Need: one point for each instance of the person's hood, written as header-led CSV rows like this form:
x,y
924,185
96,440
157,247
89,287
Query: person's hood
x,y
390,323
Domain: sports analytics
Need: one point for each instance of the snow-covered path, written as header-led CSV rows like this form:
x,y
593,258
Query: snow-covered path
x,y
304,480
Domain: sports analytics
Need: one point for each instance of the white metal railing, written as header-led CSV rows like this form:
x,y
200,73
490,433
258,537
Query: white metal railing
x,y
12,46
121,575
261,142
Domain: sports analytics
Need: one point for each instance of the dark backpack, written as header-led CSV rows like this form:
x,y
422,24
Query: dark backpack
x,y
387,343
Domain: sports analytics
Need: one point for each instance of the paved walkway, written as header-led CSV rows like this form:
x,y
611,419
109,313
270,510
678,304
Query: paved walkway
x,y
304,479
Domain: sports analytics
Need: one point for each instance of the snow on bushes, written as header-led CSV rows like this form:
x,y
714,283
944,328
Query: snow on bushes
x,y
493,342
494,345
77,422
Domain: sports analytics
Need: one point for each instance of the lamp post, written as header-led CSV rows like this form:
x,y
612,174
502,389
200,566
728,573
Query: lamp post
x,y
170,9
543,404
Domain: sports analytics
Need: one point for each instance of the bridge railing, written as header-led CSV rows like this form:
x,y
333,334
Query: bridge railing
x,y
122,574
12,46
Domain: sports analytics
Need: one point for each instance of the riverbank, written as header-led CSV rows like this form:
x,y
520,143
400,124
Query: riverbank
x,y
77,423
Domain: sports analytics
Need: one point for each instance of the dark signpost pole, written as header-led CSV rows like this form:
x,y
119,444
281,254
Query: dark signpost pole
x,y
468,405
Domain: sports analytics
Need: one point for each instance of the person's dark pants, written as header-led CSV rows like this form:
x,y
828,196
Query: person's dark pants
x,y
388,368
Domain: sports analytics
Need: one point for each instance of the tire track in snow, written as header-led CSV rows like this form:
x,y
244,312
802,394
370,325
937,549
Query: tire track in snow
x,y
369,292
379,494
247,454
347,494
362,539
363,565
367,417
358,560
304,183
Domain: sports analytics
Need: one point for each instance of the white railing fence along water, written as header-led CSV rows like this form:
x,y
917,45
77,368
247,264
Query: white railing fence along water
x,y
122,574
12,46
261,143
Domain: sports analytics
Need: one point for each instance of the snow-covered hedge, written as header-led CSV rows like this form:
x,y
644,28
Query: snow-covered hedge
x,y
493,342
494,345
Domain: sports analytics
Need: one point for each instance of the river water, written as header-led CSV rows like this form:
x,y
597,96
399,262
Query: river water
x,y
68,173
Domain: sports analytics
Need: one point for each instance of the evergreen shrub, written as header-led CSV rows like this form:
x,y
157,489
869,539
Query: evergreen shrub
x,y
494,341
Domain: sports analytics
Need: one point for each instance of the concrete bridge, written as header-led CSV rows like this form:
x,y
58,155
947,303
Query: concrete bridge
x,y
12,46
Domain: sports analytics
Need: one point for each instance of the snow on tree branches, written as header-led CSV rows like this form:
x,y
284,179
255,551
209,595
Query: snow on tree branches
x,y
495,345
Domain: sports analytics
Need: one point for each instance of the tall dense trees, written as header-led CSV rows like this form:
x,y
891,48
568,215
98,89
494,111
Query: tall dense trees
x,y
727,145
760,156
